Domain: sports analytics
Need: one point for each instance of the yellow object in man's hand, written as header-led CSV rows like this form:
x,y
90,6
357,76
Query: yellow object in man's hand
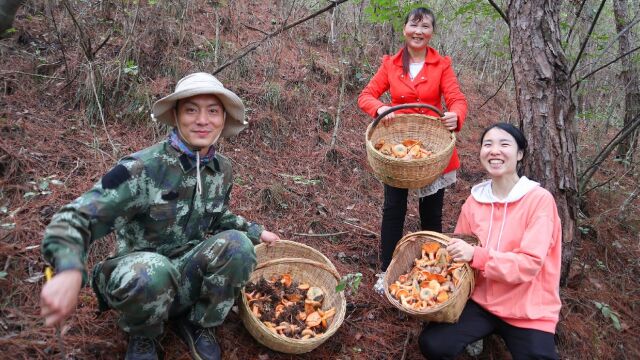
x,y
48,273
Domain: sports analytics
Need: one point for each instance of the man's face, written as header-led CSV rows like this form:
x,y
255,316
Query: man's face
x,y
201,120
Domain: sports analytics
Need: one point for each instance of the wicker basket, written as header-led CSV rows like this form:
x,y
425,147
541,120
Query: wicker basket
x,y
407,250
308,265
416,173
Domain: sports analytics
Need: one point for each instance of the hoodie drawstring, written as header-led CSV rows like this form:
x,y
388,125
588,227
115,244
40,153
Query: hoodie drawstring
x,y
504,220
490,226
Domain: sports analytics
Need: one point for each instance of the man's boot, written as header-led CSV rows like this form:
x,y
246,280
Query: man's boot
x,y
141,348
201,342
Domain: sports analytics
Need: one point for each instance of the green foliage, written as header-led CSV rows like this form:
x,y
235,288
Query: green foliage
x,y
325,120
610,314
130,68
351,282
390,11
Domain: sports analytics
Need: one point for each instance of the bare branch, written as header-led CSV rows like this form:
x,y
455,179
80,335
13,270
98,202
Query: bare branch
x,y
620,136
605,65
255,29
499,10
586,39
635,21
497,91
575,21
255,45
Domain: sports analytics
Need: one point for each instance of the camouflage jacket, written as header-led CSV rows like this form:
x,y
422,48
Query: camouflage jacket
x,y
149,198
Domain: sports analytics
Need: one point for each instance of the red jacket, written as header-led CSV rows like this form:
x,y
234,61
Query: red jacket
x,y
435,79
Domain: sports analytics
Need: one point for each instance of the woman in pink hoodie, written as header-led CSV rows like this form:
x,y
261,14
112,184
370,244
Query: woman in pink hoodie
x,y
517,262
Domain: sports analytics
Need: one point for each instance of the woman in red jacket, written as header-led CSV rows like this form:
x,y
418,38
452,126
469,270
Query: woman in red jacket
x,y
517,262
416,74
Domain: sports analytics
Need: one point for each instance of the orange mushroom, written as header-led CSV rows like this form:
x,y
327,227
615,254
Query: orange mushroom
x,y
303,286
402,293
411,142
430,249
286,280
442,296
314,319
393,288
255,310
294,297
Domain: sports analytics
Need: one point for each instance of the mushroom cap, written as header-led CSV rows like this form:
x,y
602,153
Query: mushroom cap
x,y
431,247
410,142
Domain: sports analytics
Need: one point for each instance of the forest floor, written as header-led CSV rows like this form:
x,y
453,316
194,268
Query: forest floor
x,y
286,178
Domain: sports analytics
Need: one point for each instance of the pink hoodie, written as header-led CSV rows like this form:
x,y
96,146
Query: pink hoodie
x,y
518,261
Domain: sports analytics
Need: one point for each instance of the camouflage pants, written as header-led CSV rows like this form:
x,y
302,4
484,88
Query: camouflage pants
x,y
147,288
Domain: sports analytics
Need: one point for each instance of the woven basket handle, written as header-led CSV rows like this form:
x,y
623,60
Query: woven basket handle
x,y
299,261
404,106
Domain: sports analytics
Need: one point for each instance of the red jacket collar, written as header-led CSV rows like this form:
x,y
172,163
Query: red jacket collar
x,y
432,56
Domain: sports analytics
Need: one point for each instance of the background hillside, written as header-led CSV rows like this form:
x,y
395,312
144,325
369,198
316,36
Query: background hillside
x,y
75,95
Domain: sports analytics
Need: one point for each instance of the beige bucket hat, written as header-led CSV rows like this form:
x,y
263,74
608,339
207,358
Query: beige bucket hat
x,y
198,84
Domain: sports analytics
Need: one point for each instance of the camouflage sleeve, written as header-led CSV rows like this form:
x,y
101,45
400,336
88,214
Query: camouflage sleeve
x,y
111,202
230,221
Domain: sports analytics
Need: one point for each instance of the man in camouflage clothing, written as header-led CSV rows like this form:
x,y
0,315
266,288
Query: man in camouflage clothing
x,y
181,253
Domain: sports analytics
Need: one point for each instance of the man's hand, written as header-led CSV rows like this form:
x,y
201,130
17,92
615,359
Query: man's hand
x,y
59,296
460,250
269,238
450,120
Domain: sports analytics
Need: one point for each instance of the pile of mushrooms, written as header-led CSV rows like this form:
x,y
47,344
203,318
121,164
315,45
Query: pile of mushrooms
x,y
431,281
408,149
287,308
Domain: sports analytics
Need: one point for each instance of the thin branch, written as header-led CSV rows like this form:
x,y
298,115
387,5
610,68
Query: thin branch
x,y
255,29
615,176
62,48
586,39
575,21
605,65
85,42
336,126
404,347
360,227
95,93
497,91
250,48
635,21
625,132
31,74
322,235
499,10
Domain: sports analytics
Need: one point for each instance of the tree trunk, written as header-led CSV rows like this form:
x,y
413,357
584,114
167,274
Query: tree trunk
x,y
628,78
8,9
546,109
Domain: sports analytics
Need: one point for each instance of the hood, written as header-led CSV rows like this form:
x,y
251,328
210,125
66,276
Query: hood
x,y
482,192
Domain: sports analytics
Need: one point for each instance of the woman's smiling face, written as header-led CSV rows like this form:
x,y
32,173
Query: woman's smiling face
x,y
417,33
499,153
